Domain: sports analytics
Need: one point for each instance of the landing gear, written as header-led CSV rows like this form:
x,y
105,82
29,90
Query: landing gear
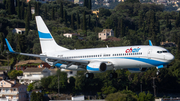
x,y
158,72
113,75
89,75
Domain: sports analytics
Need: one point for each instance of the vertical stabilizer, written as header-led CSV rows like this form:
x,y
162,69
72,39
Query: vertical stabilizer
x,y
47,41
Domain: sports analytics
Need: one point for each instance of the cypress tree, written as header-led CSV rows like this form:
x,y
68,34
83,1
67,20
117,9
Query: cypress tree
x,y
9,6
167,22
37,8
122,28
84,21
178,50
89,21
52,14
78,21
61,10
18,9
72,21
177,23
22,10
65,17
89,5
140,19
27,23
29,11
45,12
85,3
2,42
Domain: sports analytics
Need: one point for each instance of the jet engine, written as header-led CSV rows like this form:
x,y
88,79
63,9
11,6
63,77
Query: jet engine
x,y
96,67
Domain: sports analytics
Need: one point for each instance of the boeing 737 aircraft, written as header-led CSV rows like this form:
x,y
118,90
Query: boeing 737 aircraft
x,y
97,60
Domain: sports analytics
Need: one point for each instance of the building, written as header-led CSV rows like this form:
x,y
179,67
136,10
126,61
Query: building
x,y
12,91
96,12
3,75
168,44
18,30
105,34
76,1
22,65
33,74
70,35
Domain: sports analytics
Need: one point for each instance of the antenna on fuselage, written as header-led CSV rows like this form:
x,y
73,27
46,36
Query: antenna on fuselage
x,y
107,46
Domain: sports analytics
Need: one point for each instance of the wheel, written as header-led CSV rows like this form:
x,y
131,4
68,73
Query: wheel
x,y
89,75
113,75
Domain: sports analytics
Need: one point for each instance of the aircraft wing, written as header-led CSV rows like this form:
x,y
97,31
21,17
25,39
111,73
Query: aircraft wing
x,y
51,60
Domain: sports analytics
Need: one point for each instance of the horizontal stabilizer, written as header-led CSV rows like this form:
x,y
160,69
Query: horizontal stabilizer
x,y
9,46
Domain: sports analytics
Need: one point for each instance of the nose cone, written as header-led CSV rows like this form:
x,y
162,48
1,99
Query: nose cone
x,y
170,57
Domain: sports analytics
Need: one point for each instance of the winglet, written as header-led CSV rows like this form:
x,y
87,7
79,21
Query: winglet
x,y
150,43
9,46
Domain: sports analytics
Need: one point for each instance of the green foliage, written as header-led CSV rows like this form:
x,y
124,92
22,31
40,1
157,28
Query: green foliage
x,y
122,96
145,97
30,87
14,73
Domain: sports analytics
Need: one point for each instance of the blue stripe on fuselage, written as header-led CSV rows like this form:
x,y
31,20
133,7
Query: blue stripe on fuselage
x,y
145,60
44,35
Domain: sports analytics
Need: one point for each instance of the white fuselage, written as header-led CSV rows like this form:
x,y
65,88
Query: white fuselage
x,y
121,57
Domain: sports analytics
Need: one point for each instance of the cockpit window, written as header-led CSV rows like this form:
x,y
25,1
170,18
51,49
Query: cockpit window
x,y
162,51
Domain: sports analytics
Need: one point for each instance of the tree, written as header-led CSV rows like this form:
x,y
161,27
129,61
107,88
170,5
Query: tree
x,y
52,14
72,21
61,10
78,21
89,22
132,1
38,8
29,11
2,42
27,23
30,87
85,3
177,22
18,9
84,21
22,10
14,73
45,15
89,4
45,82
65,16
39,96
34,96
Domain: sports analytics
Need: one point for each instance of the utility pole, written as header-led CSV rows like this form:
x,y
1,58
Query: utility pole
x,y
58,84
154,86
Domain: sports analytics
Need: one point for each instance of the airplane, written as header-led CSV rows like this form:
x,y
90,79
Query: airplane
x,y
97,60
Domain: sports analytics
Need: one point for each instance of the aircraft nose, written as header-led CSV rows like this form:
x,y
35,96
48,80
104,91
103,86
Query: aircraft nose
x,y
170,57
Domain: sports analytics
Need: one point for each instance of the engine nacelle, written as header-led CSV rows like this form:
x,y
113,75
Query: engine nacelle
x,y
96,67
137,70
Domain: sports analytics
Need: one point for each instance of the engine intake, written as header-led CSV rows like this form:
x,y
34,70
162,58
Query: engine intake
x,y
96,67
